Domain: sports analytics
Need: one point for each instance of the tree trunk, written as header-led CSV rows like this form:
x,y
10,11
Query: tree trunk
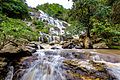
x,y
87,42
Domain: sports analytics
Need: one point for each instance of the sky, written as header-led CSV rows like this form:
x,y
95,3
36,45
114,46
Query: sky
x,y
66,4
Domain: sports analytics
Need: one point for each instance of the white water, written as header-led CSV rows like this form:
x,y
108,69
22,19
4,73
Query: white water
x,y
10,73
58,27
55,22
49,62
113,68
47,67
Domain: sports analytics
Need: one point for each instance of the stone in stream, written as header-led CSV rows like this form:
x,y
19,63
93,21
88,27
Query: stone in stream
x,y
69,45
85,70
10,55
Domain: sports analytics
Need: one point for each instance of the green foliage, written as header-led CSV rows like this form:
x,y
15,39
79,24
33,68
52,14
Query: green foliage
x,y
14,8
84,10
109,32
97,18
45,30
75,28
39,24
16,28
116,12
54,10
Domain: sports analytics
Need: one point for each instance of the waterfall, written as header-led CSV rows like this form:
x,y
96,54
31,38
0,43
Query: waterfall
x,y
46,68
54,22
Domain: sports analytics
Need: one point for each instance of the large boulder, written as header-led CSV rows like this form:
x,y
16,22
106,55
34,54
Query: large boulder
x,y
10,50
86,70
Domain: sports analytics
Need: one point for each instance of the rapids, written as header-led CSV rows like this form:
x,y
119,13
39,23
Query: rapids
x,y
49,65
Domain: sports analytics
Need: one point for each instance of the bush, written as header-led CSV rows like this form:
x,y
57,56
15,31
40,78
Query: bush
x,y
16,28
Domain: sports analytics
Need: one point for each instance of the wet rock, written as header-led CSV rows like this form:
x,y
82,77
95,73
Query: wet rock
x,y
3,65
75,41
81,55
33,45
62,42
78,47
100,46
97,40
85,70
55,48
52,43
69,45
11,50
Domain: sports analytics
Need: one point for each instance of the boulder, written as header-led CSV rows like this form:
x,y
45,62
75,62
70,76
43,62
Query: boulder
x,y
62,42
68,45
78,47
10,50
86,70
52,43
100,46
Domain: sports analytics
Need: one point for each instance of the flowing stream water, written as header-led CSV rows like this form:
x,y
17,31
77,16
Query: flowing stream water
x,y
48,64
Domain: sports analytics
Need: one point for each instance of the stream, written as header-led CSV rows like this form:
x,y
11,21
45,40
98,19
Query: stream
x,y
66,64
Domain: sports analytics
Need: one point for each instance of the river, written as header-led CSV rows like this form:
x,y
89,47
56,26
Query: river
x,y
65,64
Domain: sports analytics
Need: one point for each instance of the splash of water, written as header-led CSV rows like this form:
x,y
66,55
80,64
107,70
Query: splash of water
x,y
47,67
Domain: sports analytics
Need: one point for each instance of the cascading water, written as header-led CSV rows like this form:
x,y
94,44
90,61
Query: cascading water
x,y
55,22
51,65
47,67
58,26
10,73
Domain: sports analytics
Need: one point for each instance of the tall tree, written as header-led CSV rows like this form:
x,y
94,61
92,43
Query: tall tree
x,y
84,11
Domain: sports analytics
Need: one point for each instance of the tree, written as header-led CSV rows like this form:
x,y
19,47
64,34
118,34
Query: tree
x,y
54,10
14,8
85,11
116,12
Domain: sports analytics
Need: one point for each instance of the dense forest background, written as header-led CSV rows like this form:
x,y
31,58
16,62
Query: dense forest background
x,y
98,18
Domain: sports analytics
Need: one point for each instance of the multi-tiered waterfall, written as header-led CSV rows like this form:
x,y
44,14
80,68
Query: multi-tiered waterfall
x,y
58,26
